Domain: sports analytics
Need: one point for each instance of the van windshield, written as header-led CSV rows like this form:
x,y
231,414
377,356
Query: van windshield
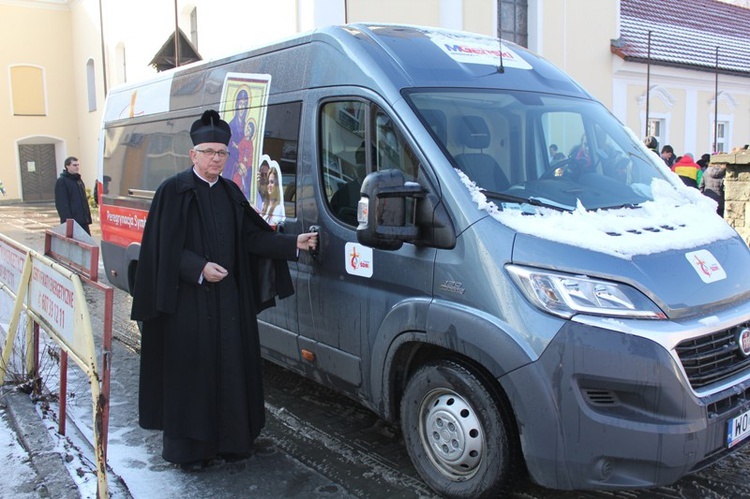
x,y
545,150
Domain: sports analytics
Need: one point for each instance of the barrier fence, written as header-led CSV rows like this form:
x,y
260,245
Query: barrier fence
x,y
49,289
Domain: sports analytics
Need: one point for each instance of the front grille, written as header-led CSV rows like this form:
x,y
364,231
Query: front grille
x,y
713,358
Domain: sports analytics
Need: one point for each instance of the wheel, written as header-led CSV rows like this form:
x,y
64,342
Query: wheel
x,y
460,438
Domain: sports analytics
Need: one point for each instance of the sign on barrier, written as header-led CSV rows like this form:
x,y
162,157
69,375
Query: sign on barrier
x,y
53,297
11,266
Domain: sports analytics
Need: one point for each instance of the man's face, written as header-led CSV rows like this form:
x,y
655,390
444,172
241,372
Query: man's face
x,y
74,167
208,163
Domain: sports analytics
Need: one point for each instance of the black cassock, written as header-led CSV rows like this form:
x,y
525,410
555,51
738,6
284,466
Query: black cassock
x,y
200,356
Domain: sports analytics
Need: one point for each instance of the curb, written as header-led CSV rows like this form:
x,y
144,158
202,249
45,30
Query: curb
x,y
53,476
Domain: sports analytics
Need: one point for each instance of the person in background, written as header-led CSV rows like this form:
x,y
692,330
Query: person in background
x,y
71,200
712,185
667,154
651,144
704,161
208,264
688,170
553,150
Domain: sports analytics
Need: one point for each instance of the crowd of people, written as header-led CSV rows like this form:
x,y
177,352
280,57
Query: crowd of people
x,y
700,174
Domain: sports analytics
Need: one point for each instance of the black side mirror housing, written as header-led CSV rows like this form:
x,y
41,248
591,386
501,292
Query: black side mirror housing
x,y
387,209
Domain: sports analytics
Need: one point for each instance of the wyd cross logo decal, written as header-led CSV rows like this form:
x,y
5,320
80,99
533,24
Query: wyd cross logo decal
x,y
706,266
358,260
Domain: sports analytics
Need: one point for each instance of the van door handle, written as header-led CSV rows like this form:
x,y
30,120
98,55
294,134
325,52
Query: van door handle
x,y
314,253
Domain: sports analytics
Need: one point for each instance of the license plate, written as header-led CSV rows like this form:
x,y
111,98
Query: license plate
x,y
738,428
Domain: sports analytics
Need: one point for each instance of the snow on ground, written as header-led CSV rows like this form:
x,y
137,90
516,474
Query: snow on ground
x,y
18,476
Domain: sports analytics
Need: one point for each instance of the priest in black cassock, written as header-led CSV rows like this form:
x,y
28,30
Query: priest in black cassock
x,y
208,264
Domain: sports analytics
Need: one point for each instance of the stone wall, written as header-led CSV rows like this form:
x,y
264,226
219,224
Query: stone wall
x,y
736,191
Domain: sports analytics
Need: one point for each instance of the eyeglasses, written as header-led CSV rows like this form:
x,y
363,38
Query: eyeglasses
x,y
211,153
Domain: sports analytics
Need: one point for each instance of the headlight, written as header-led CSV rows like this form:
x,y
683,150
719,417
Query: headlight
x,y
566,295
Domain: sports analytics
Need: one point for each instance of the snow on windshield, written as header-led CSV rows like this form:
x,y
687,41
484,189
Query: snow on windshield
x,y
690,214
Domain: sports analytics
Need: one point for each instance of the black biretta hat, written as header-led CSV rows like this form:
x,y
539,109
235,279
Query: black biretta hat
x,y
210,128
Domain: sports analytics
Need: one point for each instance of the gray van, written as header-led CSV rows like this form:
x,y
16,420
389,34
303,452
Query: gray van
x,y
582,316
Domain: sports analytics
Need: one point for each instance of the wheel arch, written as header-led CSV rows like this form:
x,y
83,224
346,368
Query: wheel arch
x,y
449,332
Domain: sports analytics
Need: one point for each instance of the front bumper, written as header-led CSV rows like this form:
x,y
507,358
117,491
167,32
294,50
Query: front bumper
x,y
604,409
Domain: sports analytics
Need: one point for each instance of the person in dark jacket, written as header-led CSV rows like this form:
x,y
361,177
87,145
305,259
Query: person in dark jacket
x,y
667,154
712,185
704,161
208,264
651,144
70,195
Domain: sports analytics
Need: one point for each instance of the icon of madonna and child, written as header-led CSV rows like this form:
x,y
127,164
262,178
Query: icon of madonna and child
x,y
261,185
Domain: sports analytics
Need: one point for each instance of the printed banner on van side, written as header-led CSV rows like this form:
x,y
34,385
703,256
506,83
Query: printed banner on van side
x,y
243,105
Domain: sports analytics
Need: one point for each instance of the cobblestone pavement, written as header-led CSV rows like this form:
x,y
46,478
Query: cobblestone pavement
x,y
331,445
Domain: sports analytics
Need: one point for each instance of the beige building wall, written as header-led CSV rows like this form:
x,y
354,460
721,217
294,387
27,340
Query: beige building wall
x,y
40,38
422,12
477,16
574,35
89,86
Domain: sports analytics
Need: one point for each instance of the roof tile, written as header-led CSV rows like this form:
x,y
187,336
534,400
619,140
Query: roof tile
x,y
686,33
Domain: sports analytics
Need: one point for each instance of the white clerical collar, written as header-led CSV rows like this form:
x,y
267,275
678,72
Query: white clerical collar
x,y
210,184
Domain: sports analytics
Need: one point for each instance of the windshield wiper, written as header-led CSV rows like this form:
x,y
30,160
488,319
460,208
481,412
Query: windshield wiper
x,y
522,200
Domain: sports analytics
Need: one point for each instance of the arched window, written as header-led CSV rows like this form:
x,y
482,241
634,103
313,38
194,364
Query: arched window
x,y
91,84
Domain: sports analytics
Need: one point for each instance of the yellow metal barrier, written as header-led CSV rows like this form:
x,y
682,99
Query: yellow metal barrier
x,y
53,297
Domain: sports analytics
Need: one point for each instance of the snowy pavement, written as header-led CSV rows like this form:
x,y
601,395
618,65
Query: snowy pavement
x,y
18,478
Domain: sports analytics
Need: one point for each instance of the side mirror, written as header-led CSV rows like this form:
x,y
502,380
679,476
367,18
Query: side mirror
x,y
386,212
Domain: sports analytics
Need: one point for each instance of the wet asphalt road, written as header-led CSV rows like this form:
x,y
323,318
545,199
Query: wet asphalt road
x,y
347,443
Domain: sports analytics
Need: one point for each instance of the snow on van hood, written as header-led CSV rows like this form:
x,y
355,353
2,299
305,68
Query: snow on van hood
x,y
679,217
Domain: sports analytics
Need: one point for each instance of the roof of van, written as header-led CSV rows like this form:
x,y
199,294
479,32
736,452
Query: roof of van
x,y
386,58
420,56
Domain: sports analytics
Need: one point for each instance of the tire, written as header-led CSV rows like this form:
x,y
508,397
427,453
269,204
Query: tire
x,y
461,440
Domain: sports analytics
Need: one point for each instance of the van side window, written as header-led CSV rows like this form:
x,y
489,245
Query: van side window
x,y
393,152
343,156
345,129
166,154
280,139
